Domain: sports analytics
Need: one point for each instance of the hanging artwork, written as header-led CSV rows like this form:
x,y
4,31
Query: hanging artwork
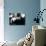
x,y
16,19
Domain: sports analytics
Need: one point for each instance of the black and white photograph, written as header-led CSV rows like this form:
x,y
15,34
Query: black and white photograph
x,y
18,19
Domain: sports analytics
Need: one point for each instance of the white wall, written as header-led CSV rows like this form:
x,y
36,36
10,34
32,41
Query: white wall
x,y
43,6
1,21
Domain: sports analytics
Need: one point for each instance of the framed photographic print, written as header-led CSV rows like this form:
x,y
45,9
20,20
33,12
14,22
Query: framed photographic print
x,y
17,19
